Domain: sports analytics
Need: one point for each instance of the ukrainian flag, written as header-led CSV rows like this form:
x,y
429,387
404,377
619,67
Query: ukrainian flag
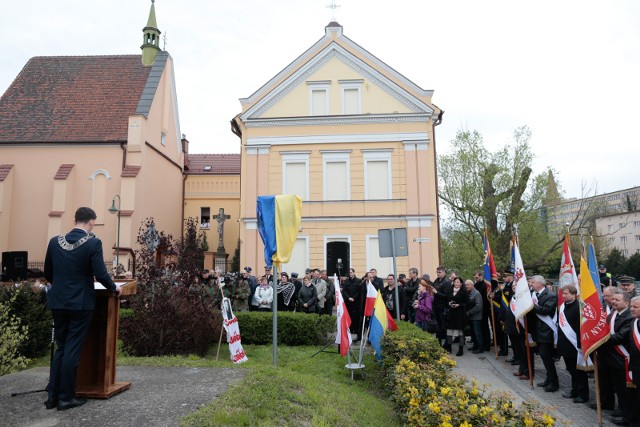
x,y
381,320
278,224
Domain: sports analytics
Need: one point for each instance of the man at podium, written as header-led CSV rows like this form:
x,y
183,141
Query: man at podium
x,y
71,263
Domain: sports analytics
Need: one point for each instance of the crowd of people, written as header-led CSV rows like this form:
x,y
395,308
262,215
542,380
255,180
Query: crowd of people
x,y
476,312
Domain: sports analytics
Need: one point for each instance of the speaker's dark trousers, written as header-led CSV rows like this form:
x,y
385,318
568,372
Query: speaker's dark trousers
x,y
71,328
545,350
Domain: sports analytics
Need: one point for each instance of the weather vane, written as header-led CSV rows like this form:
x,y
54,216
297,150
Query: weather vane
x,y
333,6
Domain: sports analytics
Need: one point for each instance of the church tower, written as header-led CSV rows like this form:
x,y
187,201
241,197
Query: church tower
x,y
151,38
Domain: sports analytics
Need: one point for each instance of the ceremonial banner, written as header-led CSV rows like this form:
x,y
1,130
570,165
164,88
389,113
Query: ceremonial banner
x,y
230,323
594,329
489,266
593,270
568,274
343,334
521,302
370,300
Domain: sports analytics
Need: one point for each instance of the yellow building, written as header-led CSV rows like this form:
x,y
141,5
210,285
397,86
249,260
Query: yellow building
x,y
213,183
355,140
79,130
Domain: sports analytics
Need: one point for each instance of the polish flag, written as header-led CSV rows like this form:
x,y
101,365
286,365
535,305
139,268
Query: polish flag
x,y
343,335
371,299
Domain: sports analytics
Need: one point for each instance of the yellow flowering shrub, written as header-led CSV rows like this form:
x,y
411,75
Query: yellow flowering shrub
x,y
427,392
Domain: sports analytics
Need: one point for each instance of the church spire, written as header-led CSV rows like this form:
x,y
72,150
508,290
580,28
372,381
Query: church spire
x,y
151,38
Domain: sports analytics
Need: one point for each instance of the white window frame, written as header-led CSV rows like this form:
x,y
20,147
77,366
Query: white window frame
x,y
342,156
377,155
295,157
333,238
352,84
285,267
319,86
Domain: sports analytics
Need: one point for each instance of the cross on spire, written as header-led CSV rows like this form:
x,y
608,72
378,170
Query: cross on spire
x,y
333,6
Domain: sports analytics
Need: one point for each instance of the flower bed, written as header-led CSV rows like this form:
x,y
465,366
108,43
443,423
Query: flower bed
x,y
427,393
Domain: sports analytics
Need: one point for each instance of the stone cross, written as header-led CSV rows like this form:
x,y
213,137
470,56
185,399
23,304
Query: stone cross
x,y
221,218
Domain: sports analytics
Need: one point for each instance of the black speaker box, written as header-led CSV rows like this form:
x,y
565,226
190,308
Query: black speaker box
x,y
14,265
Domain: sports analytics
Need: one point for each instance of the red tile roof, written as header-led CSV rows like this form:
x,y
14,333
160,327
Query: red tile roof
x,y
63,171
72,99
221,164
130,171
56,214
4,171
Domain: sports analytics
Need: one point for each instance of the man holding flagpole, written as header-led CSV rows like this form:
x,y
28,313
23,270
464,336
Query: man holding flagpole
x,y
545,333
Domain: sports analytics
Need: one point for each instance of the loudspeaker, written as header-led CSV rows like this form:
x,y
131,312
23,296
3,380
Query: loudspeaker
x,y
335,251
14,265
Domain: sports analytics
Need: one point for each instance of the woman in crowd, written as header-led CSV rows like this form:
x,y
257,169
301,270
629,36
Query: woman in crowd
x,y
308,296
456,317
423,304
263,296
286,291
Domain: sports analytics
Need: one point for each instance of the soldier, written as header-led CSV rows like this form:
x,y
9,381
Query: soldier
x,y
628,284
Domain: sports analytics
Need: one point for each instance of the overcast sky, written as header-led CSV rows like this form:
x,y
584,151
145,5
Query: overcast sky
x,y
567,69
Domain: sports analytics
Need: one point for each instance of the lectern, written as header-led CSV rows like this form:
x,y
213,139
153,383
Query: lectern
x,y
96,376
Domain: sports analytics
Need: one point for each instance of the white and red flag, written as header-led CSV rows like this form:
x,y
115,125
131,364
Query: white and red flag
x,y
343,336
370,301
568,274
521,302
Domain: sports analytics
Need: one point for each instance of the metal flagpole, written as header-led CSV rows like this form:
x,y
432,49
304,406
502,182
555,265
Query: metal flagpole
x,y
396,297
493,325
274,308
528,350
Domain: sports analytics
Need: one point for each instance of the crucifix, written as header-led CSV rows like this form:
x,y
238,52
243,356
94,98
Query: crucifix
x,y
221,218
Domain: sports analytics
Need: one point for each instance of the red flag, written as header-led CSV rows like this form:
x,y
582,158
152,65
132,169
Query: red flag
x,y
594,329
343,335
568,274
371,299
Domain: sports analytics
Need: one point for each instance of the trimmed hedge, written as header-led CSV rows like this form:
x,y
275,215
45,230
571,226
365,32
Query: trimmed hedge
x,y
293,328
427,393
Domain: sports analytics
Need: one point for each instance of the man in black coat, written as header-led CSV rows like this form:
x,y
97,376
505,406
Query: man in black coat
x,y
481,286
71,263
611,361
569,343
389,298
545,331
411,289
352,294
443,291
634,363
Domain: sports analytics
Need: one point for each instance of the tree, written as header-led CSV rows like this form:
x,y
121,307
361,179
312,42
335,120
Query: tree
x,y
497,191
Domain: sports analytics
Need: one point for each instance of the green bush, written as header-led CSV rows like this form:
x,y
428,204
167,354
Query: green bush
x,y
293,328
30,307
426,392
125,313
12,335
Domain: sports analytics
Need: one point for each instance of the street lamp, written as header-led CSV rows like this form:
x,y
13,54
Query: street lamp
x,y
115,210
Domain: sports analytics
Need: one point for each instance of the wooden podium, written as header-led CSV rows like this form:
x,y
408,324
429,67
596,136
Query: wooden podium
x,y
96,377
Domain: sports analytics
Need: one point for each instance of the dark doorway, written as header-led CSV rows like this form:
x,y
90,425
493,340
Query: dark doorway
x,y
338,251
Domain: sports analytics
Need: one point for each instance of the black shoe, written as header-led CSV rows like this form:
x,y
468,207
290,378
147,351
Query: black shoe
x,y
617,413
551,388
544,383
515,362
63,406
478,351
503,354
460,351
50,404
569,395
580,400
604,408
474,348
510,360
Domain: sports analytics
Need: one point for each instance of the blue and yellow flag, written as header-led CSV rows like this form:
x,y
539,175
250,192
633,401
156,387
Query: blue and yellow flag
x,y
278,223
381,320
593,270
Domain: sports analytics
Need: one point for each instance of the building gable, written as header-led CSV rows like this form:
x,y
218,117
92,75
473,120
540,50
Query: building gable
x,y
335,64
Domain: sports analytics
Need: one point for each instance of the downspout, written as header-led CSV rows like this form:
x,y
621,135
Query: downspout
x,y
124,153
435,168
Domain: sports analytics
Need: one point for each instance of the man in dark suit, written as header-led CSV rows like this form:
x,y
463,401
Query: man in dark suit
x,y
545,331
569,343
634,363
443,291
610,354
71,263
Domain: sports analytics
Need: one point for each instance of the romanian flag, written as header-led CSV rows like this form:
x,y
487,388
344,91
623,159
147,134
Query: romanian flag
x,y
370,300
278,223
568,274
594,329
381,320
489,266
343,335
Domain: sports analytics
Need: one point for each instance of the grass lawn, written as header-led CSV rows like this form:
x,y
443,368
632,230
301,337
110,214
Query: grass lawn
x,y
301,391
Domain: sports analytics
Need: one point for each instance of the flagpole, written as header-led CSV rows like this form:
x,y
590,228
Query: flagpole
x,y
274,308
596,377
528,348
221,329
493,326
